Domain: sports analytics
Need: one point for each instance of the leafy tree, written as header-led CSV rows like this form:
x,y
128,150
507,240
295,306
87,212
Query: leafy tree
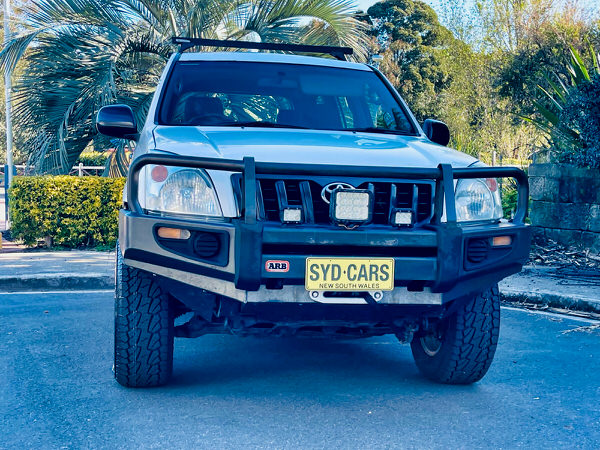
x,y
543,50
513,44
508,24
89,53
411,38
475,112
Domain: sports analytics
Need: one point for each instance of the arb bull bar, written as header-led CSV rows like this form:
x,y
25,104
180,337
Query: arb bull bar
x,y
451,276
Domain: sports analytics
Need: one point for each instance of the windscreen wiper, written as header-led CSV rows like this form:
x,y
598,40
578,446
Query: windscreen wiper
x,y
380,130
260,124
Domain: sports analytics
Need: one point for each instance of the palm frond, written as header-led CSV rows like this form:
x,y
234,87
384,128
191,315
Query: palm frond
x,y
118,162
83,54
577,67
550,97
558,88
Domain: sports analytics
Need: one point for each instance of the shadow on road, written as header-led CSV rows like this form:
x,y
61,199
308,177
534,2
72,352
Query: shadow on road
x,y
299,365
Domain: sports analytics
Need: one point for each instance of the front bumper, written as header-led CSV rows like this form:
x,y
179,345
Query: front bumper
x,y
432,264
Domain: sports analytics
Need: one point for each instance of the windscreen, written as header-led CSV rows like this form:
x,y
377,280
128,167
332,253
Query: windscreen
x,y
209,93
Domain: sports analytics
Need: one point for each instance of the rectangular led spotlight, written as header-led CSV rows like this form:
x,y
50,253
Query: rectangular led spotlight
x,y
351,205
292,215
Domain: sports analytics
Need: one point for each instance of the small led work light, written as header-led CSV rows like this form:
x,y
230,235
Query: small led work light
x,y
402,217
292,215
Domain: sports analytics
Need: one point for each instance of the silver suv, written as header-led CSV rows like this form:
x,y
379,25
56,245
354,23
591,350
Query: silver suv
x,y
286,195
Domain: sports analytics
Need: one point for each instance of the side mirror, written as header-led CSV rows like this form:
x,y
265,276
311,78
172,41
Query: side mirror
x,y
437,131
117,121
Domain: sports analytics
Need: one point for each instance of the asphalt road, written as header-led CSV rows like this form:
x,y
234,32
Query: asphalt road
x,y
57,389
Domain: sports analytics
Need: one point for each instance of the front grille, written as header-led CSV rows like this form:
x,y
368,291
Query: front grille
x,y
274,193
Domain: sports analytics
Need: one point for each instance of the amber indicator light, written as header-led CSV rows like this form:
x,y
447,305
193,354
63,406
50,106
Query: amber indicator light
x,y
173,233
501,241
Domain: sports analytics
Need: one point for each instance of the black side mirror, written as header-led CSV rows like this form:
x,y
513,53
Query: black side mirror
x,y
117,121
437,131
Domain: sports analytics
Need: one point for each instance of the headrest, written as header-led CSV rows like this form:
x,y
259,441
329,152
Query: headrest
x,y
201,106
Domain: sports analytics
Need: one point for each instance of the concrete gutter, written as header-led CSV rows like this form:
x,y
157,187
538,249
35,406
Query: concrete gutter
x,y
549,299
555,287
38,271
56,281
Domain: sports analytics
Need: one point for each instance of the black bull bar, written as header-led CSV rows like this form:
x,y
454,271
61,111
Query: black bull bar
x,y
249,229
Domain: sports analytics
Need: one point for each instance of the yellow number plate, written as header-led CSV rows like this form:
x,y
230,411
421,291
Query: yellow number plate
x,y
349,274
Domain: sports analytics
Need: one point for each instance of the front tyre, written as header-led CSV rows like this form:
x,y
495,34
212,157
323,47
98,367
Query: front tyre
x,y
143,329
462,347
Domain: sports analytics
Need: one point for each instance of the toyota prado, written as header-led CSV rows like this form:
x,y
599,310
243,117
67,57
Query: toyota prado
x,y
286,195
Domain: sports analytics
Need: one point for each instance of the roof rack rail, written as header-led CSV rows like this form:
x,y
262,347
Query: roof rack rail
x,y
337,52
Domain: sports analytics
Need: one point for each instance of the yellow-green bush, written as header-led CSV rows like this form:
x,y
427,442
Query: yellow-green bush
x,y
92,158
73,211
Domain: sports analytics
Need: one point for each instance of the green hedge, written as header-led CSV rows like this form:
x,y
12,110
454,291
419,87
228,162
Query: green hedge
x,y
509,201
73,211
92,159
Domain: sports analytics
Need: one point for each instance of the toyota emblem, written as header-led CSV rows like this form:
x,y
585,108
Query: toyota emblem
x,y
327,190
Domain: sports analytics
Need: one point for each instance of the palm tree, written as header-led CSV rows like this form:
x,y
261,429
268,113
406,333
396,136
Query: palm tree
x,y
84,54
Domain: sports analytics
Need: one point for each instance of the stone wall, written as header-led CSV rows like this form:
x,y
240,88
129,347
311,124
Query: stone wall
x,y
565,204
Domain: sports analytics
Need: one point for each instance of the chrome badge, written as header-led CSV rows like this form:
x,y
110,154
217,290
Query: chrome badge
x,y
327,190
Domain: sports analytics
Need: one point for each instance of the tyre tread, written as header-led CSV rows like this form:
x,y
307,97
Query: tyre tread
x,y
469,345
143,329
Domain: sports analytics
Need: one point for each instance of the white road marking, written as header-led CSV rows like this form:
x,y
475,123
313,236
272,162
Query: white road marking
x,y
83,291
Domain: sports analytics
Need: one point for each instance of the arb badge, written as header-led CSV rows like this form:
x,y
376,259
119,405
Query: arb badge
x,y
277,266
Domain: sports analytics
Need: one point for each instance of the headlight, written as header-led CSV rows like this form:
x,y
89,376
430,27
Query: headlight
x,y
477,199
176,190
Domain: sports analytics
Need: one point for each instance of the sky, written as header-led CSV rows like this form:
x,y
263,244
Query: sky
x,y
364,4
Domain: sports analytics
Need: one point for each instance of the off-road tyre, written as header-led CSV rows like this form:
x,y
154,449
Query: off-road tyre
x,y
465,341
143,329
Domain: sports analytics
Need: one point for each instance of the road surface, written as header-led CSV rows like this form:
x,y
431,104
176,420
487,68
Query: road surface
x,y
543,389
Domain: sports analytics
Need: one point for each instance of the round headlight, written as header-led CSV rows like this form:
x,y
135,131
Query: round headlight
x,y
476,201
188,192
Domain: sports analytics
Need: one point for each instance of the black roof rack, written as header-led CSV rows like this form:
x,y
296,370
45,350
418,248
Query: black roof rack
x,y
337,52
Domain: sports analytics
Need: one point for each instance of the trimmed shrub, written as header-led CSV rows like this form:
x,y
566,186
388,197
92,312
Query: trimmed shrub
x,y
93,158
509,201
72,211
